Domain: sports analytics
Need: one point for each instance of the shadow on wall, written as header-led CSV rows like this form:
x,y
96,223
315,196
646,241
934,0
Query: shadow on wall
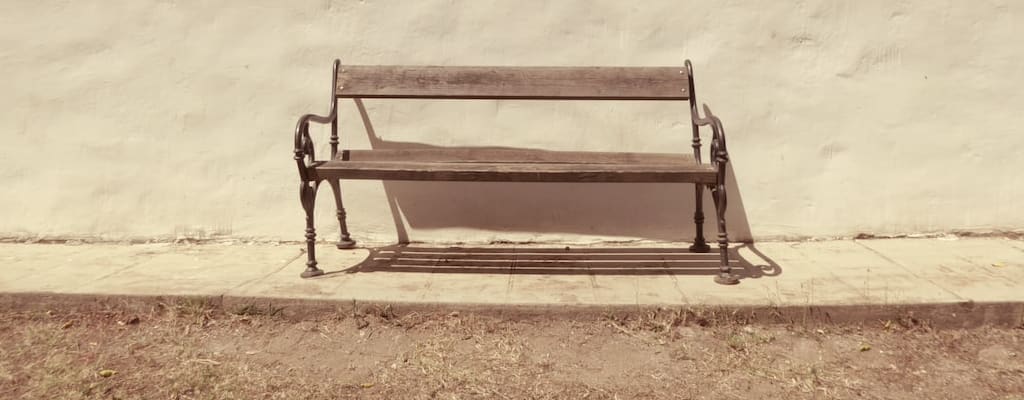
x,y
654,211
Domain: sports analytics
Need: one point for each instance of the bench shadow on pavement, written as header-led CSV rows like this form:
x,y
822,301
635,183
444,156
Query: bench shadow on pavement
x,y
562,261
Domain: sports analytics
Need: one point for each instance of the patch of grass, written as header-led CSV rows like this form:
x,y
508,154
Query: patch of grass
x,y
662,321
196,310
737,342
253,310
907,322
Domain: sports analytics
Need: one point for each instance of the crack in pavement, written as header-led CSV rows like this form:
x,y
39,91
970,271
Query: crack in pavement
x,y
267,275
911,272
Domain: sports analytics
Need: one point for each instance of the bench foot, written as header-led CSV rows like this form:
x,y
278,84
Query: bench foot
x,y
346,243
725,275
700,247
311,272
727,279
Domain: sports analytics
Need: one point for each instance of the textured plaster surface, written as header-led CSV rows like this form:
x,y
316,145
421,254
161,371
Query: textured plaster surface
x,y
175,118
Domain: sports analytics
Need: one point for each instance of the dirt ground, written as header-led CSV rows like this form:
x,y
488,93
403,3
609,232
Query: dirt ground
x,y
192,349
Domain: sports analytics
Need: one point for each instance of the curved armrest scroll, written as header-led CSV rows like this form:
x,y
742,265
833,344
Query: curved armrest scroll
x,y
719,152
305,154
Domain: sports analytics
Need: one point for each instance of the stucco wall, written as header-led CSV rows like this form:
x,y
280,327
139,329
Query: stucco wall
x,y
174,118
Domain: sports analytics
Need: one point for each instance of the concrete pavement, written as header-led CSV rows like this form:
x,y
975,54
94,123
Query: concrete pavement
x,y
883,272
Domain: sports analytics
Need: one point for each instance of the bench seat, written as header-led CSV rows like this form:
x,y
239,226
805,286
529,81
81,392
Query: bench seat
x,y
514,165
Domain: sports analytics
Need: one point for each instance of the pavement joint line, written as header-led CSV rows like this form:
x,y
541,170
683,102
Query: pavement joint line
x,y
430,277
636,290
593,281
865,294
986,268
511,274
774,297
267,275
675,281
908,270
808,291
1012,245
117,271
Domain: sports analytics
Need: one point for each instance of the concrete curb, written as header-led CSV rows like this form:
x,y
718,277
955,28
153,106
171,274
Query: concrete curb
x,y
936,315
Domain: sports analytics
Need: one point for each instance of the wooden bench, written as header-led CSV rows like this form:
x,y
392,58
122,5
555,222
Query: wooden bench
x,y
514,165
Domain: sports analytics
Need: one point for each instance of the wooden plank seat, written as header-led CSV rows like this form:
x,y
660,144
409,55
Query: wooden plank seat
x,y
514,165
511,164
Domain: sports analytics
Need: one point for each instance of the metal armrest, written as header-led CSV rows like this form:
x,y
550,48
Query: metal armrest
x,y
719,152
305,154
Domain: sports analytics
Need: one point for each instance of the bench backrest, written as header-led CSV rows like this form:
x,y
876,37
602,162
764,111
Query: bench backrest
x,y
514,83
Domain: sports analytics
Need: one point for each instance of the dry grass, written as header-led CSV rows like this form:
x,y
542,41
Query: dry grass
x,y
195,349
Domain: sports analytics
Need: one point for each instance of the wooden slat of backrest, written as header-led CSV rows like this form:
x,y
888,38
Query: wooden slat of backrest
x,y
527,83
501,155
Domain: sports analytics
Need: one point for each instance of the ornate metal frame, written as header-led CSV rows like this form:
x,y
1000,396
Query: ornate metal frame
x,y
305,159
719,155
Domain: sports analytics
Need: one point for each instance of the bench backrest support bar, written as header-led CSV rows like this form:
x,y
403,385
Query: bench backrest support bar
x,y
513,83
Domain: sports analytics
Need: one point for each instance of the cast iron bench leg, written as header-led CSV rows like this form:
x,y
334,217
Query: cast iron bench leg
x,y
725,275
344,242
307,193
699,244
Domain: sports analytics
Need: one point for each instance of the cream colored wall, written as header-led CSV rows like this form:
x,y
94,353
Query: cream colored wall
x,y
174,118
